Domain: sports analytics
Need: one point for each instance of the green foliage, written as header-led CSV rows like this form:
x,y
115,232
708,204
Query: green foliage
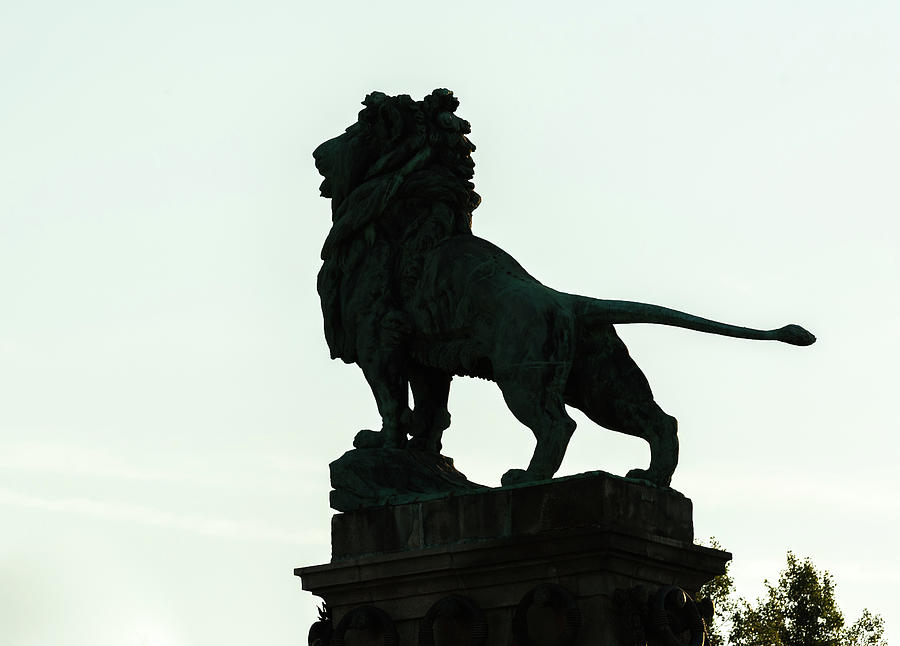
x,y
799,610
868,630
719,590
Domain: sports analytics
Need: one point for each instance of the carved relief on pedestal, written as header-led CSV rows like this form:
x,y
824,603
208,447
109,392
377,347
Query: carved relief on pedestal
x,y
455,619
365,626
548,614
668,617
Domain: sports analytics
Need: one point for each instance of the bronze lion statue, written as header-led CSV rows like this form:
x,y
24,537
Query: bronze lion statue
x,y
413,297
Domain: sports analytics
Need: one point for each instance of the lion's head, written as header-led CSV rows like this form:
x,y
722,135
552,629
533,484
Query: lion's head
x,y
398,179
397,142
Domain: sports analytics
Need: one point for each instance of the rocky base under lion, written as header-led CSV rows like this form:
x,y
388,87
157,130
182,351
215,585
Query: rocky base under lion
x,y
373,477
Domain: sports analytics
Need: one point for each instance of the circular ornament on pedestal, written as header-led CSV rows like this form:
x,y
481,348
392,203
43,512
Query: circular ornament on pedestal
x,y
454,619
547,616
365,625
675,617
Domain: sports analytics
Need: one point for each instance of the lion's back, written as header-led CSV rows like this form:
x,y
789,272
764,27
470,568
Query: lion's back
x,y
472,298
469,274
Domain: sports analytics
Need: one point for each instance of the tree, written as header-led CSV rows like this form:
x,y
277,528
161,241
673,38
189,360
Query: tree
x,y
720,591
800,610
868,630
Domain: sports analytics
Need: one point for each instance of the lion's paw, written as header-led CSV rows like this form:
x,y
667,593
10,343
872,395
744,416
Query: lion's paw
x,y
423,444
649,476
367,439
393,441
515,476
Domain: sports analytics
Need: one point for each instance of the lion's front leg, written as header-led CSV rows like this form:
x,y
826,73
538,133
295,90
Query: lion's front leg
x,y
430,418
391,397
393,429
382,359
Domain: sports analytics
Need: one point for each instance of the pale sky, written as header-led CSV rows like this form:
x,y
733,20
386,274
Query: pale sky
x,y
168,406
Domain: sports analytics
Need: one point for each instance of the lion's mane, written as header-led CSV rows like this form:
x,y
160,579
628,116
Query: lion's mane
x,y
414,168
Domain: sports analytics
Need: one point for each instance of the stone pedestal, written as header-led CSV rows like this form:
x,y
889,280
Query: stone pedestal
x,y
586,560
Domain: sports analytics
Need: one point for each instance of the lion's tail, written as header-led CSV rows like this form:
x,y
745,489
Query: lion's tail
x,y
595,311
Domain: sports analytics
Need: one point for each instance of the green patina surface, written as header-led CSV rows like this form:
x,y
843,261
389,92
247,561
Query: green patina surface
x,y
414,298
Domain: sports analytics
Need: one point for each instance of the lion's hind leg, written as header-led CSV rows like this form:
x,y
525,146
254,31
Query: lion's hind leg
x,y
606,385
648,421
643,419
544,412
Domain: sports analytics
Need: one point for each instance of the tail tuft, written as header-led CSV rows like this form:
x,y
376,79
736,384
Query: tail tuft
x,y
795,335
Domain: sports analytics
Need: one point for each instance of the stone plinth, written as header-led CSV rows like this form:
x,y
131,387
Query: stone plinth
x,y
581,560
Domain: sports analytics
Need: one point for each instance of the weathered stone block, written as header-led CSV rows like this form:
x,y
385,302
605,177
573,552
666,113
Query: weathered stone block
x,y
367,531
596,499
